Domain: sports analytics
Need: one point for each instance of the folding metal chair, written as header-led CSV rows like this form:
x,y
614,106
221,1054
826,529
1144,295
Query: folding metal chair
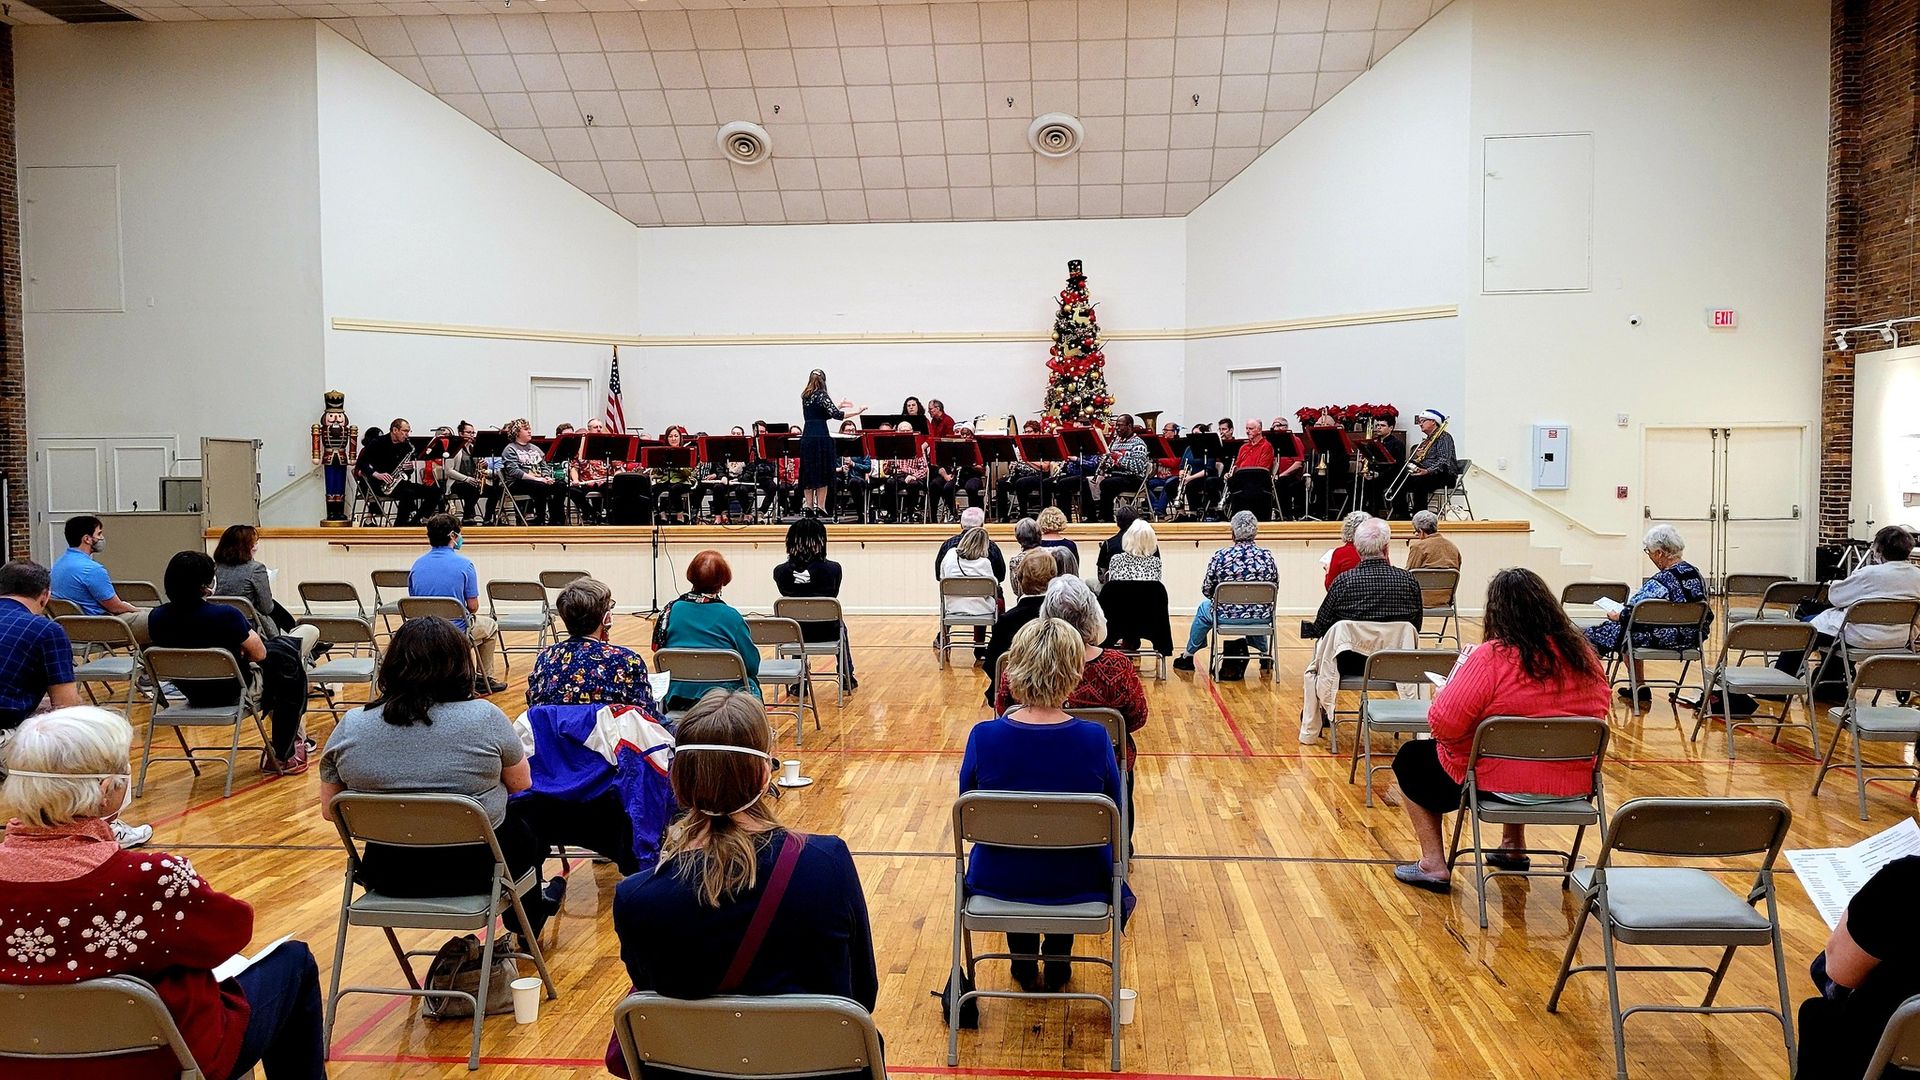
x,y
1116,726
1899,1046
1733,675
442,607
1245,592
786,667
1388,669
556,582
1894,616
1453,499
1749,586
749,1038
1682,905
354,656
1874,722
60,609
1045,821
520,618
819,609
426,821
701,666
98,1018
138,593
1439,582
1539,739
172,665
1579,598
388,587
1661,614
245,607
370,507
1779,602
962,588
333,598
106,652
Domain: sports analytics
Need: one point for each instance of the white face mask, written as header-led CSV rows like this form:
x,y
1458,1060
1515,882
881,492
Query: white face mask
x,y
125,778
757,796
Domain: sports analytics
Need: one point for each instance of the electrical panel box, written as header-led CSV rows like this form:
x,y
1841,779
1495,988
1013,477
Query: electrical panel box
x,y
1550,456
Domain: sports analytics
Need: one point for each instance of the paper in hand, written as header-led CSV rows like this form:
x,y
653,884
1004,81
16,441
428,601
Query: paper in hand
x,y
237,963
1832,875
1609,605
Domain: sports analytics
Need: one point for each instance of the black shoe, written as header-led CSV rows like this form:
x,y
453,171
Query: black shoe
x,y
555,891
1646,695
1183,662
1059,974
484,686
1509,860
1027,974
1228,675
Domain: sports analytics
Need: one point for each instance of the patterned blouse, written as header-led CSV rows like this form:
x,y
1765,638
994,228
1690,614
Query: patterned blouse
x,y
1679,582
588,671
1125,567
1244,561
1109,681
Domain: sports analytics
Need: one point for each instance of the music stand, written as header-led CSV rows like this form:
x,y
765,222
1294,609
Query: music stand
x,y
774,446
1206,442
1084,442
1338,449
779,429
891,445
667,457
721,449
996,450
489,444
876,422
952,454
1158,446
608,447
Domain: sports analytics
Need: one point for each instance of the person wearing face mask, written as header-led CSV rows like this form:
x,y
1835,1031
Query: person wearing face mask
x,y
586,669
443,571
79,579
71,890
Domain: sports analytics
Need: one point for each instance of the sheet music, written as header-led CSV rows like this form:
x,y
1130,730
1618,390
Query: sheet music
x,y
1435,679
1832,875
237,963
658,681
1609,605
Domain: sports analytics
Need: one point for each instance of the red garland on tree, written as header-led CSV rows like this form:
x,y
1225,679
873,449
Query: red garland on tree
x,y
1077,394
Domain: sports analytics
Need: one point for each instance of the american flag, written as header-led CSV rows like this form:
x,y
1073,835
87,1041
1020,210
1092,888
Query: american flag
x,y
616,415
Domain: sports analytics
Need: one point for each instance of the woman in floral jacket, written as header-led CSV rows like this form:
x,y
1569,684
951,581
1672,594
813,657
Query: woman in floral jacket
x,y
586,669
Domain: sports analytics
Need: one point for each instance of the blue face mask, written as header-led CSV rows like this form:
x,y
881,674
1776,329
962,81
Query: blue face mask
x,y
459,542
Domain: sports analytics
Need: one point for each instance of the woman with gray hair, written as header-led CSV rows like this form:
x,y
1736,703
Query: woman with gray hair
x,y
1244,561
80,908
586,669
1026,533
1675,579
1346,556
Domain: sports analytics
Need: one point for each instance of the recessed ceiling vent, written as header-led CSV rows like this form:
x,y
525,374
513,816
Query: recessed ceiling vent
x,y
745,143
1055,135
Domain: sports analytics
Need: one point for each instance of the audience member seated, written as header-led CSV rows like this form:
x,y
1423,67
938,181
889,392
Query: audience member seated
x,y
187,621
587,669
1030,579
1532,662
968,559
1346,556
237,573
36,659
1053,527
1139,556
443,571
1375,590
1428,550
973,517
70,888
699,619
1889,574
1244,561
1040,747
79,579
1123,518
1868,969
1676,580
425,732
808,572
683,923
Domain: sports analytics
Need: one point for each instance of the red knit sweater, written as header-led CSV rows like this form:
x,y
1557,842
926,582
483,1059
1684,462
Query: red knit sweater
x,y
1345,558
1490,682
1109,681
73,906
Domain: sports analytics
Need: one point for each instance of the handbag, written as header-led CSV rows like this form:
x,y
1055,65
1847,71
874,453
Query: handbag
x,y
743,957
457,967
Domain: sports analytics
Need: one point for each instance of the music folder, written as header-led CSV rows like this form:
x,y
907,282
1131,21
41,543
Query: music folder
x,y
1159,446
1042,448
606,446
667,457
892,445
565,447
954,454
779,429
1205,442
879,422
1285,444
725,448
778,445
997,448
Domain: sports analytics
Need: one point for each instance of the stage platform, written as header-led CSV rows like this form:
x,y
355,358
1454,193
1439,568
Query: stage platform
x,y
888,568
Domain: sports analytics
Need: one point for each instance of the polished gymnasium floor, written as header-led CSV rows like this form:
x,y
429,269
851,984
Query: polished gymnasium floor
x,y
1270,940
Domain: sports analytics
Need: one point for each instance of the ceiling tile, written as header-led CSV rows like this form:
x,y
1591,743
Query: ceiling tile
x,y
925,171
625,175
818,67
865,66
1331,83
969,170
1144,167
714,30
1229,160
512,110
711,175
667,30
882,172
917,102
1054,59
472,106
680,208
930,203
1149,58
1013,202
1056,97
1102,19
803,206
811,28
876,139
603,106
1103,59
1146,132
450,75
858,26
871,104
963,101
698,141
569,144
1384,42
960,23
1008,99
1288,92
1057,202
846,205
1008,135
1103,97
526,35
748,177
762,207
825,104
657,143
963,63
585,175
888,205
795,174
776,107
1206,89
639,209
1296,16
573,33
1052,20
1143,200
542,71
432,35
1346,51
480,34
772,67
680,70
1277,124
906,25
691,107
1149,95
763,28
1099,200
1238,130
1182,198
1100,166
725,68
1198,55
645,107
1353,15
665,176
1247,55
1192,131
1297,52
1201,18
922,137
1190,165
1253,16
1003,22
556,110
633,71
385,38
839,172
587,71
831,140
721,207
619,31
972,203
1053,172
495,74
911,63
531,141
965,136
1243,93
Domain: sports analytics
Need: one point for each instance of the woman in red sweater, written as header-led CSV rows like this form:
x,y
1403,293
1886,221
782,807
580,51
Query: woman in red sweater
x,y
1533,662
78,908
1346,556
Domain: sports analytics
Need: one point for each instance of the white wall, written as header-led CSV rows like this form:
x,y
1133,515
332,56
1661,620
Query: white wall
x,y
212,126
899,278
425,217
1886,438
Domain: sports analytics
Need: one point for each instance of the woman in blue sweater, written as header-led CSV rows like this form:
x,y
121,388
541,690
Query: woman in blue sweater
x,y
699,619
1037,746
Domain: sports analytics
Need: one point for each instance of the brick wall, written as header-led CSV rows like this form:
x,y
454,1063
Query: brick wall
x,y
1872,170
13,371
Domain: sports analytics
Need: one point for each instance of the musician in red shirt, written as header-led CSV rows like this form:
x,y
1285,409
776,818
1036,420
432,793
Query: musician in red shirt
x,y
939,424
1251,482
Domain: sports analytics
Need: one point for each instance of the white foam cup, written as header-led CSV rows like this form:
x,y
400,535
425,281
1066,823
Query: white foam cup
x,y
526,1000
790,771
1129,1001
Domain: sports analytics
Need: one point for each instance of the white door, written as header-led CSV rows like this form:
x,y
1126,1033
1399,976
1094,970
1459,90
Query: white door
x,y
88,475
1254,392
558,400
1763,504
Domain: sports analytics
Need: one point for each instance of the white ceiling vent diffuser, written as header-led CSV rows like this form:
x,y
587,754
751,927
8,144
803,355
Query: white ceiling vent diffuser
x,y
745,143
1055,135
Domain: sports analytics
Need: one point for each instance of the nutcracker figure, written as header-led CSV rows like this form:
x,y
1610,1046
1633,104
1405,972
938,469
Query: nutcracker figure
x,y
334,442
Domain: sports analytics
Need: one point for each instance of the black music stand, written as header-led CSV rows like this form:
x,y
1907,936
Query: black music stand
x,y
892,445
879,422
1042,450
952,454
1331,445
776,445
1379,463
608,447
996,450
667,457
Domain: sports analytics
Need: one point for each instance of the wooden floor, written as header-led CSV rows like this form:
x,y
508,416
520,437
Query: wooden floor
x,y
1270,940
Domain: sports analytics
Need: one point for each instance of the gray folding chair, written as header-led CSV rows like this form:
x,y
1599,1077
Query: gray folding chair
x,y
1682,905
97,1018
1686,616
1116,726
556,582
528,613
1579,597
1750,587
1035,821
786,667
749,1038
106,653
1779,601
1453,500
172,665
331,598
1540,739
1900,1043
410,608
820,609
1437,582
426,821
354,656
698,665
1892,616
138,593
388,587
1245,592
60,609
963,588
245,607
1766,639
1397,716
1875,722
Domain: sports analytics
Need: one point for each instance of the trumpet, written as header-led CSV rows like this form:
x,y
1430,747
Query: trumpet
x,y
1418,455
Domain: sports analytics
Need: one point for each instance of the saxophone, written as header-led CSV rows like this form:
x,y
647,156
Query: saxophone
x,y
399,474
1418,455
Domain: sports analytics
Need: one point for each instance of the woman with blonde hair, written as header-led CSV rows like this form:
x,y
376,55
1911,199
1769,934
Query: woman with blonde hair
x,y
525,472
1053,528
969,559
702,920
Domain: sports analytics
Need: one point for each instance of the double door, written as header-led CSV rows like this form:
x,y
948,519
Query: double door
x,y
1737,493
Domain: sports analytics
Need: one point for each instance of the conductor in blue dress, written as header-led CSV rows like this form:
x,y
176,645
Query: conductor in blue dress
x,y
818,458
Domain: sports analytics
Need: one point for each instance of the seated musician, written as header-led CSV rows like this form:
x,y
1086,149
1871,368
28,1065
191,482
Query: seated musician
x,y
525,472
1200,473
1290,472
1392,452
947,483
673,487
1025,479
939,424
1161,485
1433,462
1070,480
765,473
902,485
1128,464
726,482
588,476
466,477
1251,482
379,467
854,471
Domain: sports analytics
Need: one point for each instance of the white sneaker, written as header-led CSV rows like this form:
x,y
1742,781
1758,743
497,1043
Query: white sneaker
x,y
131,836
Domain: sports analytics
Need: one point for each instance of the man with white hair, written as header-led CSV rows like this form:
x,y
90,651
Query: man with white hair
x,y
1428,550
1374,591
1244,561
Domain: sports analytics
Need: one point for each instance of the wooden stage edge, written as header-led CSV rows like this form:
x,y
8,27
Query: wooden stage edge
x,y
567,535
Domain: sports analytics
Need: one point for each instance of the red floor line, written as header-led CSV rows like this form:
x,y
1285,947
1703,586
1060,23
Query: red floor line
x,y
359,1031
168,819
916,1070
1214,692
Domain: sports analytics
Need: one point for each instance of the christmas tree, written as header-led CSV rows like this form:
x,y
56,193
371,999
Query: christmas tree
x,y
1077,394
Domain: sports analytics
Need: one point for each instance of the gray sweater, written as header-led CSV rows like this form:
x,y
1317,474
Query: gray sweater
x,y
248,581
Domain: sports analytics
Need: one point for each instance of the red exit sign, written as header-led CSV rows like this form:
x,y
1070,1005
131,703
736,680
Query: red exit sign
x,y
1722,318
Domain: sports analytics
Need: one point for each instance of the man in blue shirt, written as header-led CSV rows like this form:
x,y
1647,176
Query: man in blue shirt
x,y
80,579
443,571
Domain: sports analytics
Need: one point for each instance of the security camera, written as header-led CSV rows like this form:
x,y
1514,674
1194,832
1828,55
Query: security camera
x,y
1633,320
